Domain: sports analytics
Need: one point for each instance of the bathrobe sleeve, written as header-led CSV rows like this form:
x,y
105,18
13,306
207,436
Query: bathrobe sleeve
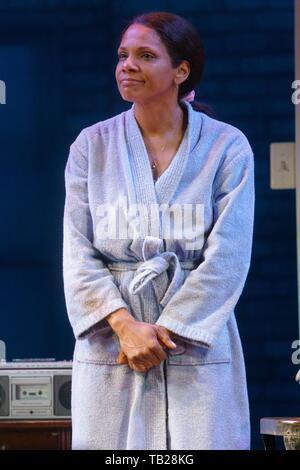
x,y
201,307
90,292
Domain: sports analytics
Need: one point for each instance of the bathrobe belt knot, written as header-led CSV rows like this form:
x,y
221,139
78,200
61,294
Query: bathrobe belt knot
x,y
156,262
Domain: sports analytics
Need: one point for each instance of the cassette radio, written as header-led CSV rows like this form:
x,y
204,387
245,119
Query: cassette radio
x,y
35,389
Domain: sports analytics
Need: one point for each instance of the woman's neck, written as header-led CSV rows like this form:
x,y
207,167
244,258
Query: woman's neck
x,y
159,120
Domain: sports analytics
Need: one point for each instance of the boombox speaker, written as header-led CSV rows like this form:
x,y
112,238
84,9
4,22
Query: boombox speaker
x,y
62,395
4,395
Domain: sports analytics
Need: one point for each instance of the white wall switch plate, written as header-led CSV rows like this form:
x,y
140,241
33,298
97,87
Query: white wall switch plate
x,y
282,165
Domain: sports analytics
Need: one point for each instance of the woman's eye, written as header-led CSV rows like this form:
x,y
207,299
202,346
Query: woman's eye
x,y
146,54
121,56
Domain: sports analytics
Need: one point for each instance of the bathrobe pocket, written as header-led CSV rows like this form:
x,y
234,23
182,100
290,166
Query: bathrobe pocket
x,y
189,354
101,347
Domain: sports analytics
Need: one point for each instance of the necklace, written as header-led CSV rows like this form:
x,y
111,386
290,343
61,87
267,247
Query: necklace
x,y
154,163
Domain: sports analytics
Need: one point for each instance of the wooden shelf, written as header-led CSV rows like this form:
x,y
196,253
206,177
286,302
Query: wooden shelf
x,y
35,434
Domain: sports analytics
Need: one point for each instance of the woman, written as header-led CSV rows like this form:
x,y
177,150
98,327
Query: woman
x,y
158,362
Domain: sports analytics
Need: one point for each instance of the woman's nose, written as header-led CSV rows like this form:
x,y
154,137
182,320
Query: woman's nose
x,y
129,64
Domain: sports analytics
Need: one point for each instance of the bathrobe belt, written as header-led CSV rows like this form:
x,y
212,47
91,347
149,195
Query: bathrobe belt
x,y
155,263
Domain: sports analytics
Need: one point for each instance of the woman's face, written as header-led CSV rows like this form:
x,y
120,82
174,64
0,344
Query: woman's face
x,y
143,57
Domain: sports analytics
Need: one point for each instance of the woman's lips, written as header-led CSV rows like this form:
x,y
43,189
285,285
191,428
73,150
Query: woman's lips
x,y
130,82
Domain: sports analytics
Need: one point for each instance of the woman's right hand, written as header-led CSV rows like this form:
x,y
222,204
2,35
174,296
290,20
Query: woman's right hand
x,y
140,341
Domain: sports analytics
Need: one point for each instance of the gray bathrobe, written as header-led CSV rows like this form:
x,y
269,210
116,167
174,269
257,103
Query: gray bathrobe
x,y
123,247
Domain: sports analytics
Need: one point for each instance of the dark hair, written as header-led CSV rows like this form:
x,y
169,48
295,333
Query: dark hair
x,y
182,42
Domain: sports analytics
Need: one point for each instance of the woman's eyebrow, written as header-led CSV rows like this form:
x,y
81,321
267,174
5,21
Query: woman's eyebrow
x,y
139,48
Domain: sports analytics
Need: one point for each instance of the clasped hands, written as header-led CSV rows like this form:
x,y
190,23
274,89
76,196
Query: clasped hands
x,y
142,344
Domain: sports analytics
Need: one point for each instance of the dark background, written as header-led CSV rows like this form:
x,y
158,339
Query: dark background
x,y
57,59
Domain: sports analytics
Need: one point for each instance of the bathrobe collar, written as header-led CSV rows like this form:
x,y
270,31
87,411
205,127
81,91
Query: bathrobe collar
x,y
162,190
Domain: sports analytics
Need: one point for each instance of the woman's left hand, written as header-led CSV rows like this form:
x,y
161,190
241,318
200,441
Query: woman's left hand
x,y
122,358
